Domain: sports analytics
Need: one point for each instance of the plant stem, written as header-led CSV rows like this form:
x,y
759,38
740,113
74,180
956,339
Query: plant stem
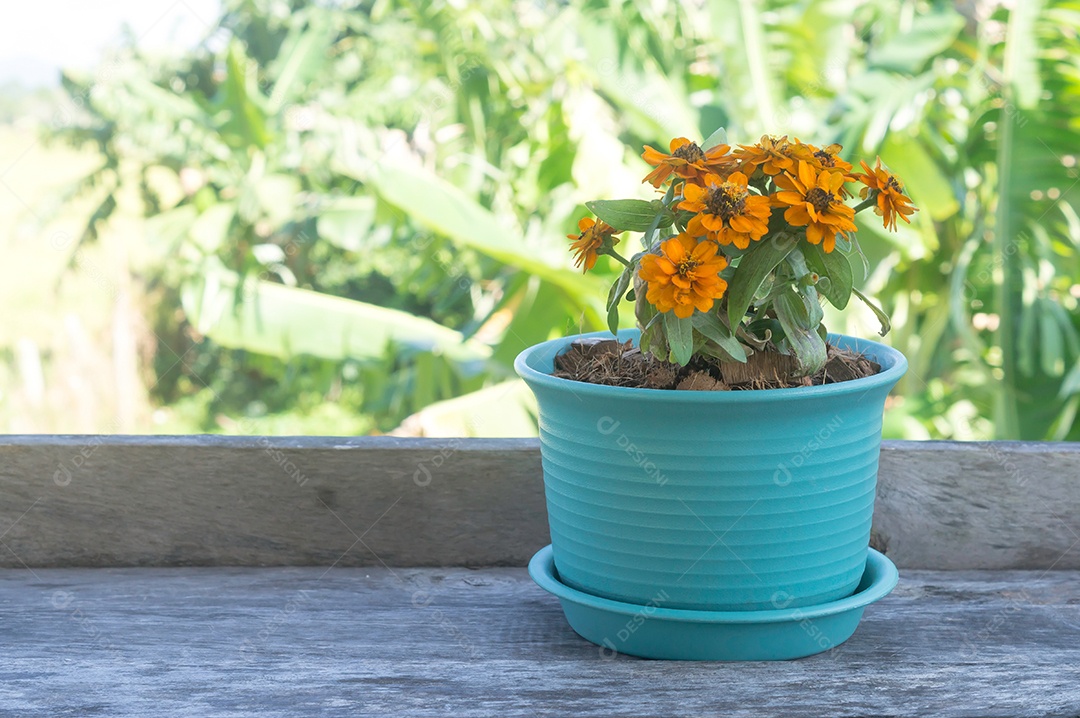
x,y
867,203
618,257
1006,294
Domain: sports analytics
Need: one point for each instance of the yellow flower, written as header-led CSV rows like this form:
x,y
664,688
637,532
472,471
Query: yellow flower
x,y
891,200
686,160
813,201
590,240
772,154
684,276
727,212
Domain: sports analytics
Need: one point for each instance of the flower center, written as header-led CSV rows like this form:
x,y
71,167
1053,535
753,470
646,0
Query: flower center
x,y
821,199
726,200
894,184
825,158
686,266
689,152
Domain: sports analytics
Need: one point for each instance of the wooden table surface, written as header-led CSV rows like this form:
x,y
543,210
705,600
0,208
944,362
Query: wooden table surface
x,y
221,641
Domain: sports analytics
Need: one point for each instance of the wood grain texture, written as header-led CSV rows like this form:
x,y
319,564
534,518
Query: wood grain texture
x,y
992,505
455,642
203,500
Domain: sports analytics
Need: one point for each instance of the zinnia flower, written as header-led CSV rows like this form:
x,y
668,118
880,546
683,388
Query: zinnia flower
x,y
684,276
686,160
813,201
590,240
891,200
772,154
727,212
828,158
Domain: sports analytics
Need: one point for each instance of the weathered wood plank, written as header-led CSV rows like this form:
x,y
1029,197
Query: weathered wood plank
x,y
438,642
203,500
993,505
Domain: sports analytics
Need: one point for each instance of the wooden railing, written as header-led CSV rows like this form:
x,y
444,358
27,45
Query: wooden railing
x,y
307,592
207,500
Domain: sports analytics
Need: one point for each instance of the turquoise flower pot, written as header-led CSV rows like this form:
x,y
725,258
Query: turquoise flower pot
x,y
712,501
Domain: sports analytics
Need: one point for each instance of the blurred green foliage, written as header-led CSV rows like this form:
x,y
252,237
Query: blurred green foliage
x,y
364,203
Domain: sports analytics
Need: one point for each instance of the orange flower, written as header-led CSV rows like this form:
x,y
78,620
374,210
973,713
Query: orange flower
x,y
891,200
686,160
813,201
828,158
684,276
772,154
590,240
727,212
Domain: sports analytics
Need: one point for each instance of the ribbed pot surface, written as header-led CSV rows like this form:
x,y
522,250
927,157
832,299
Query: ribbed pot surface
x,y
741,500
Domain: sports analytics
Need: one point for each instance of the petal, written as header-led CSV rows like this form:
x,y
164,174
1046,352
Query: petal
x,y
688,243
713,180
674,250
797,216
658,175
653,156
703,252
703,303
694,227
665,266
693,192
741,224
682,311
677,143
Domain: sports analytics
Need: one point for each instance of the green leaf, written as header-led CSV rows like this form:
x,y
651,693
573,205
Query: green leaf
x,y
654,226
754,267
633,215
652,336
301,57
507,409
929,35
680,336
345,222
1051,341
835,267
719,137
246,123
210,231
284,322
882,317
615,296
924,181
710,326
1022,48
800,331
452,213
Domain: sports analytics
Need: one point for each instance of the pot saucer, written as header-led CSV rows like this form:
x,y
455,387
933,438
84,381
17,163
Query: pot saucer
x,y
652,631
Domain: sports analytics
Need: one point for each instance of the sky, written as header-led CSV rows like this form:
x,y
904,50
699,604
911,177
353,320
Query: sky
x,y
39,37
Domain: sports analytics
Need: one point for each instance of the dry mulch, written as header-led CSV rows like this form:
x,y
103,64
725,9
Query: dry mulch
x,y
607,362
